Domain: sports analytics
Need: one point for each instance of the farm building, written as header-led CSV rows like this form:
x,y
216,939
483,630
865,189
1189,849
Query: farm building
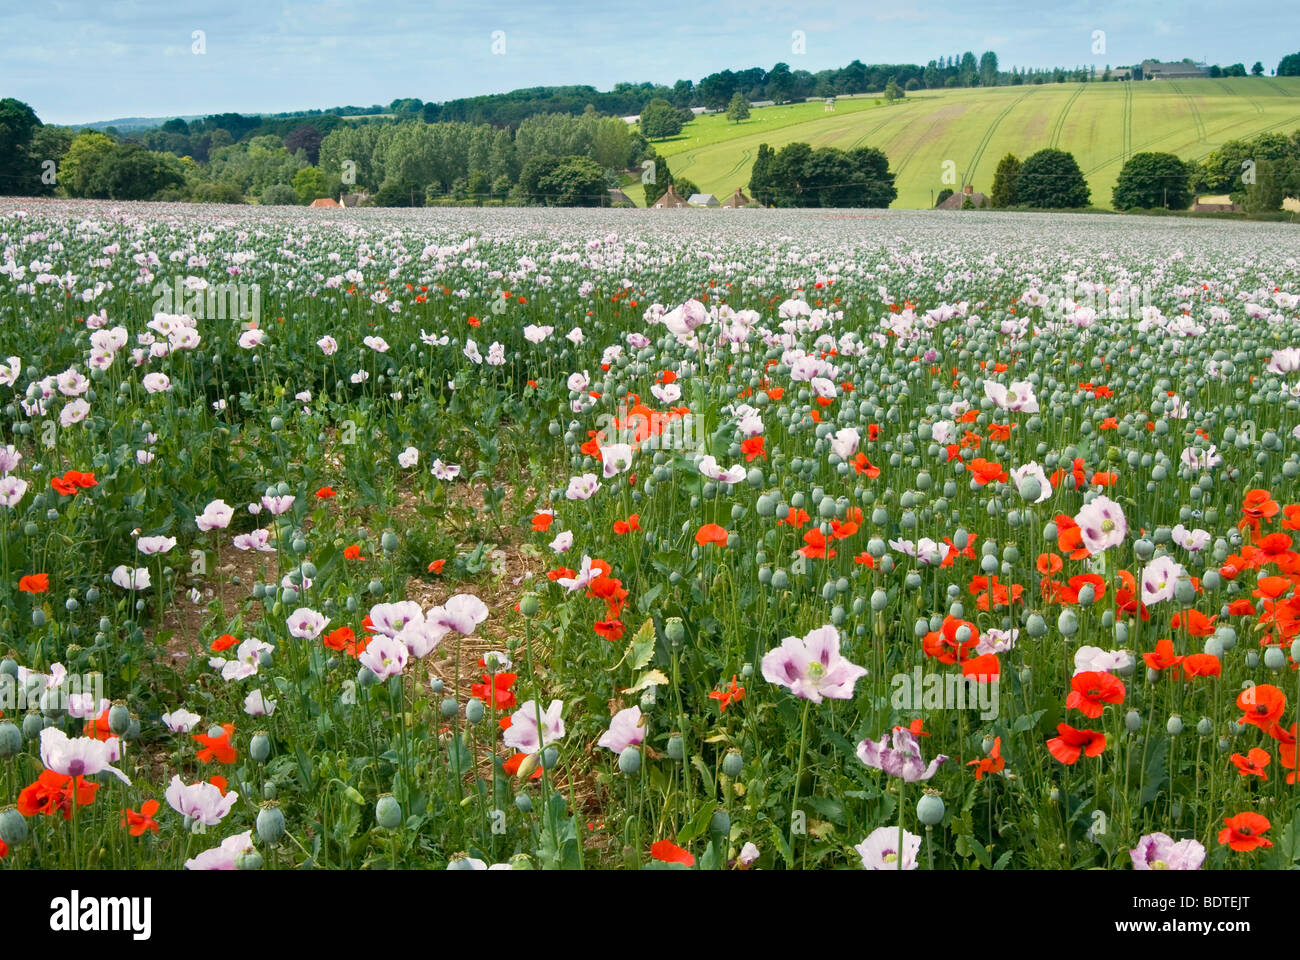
x,y
958,200
702,200
1155,70
325,202
358,199
736,200
669,201
1201,206
617,196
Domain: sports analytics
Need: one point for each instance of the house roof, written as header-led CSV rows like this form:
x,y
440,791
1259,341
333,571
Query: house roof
x,y
618,196
736,200
703,200
669,200
325,202
955,201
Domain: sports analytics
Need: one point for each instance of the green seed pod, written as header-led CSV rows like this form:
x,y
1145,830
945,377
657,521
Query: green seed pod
x,y
259,747
1205,726
550,757
930,808
474,710
13,826
450,707
1067,623
733,763
524,803
1133,721
388,812
388,541
33,724
676,749
270,823
248,860
629,761
1174,726
720,823
675,630
11,740
1274,658
119,719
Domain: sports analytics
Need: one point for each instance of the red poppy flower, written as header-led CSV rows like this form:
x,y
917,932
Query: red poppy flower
x,y
142,821
753,447
223,642
816,546
542,521
1201,665
436,566
1257,506
627,526
34,583
796,518
1198,624
353,552
326,493
726,697
1091,690
862,465
983,669
943,644
218,748
511,766
1243,832
669,852
1252,765
711,533
611,630
1071,743
1263,704
993,763
53,793
495,689
986,471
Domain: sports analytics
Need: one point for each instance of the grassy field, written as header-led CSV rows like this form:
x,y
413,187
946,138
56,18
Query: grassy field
x,y
1100,123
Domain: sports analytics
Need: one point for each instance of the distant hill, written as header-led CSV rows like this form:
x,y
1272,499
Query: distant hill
x,y
1102,124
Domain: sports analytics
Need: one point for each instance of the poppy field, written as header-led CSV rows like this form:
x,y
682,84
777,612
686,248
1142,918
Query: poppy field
x,y
562,539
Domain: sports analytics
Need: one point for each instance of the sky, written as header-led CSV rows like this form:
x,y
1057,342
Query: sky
x,y
80,61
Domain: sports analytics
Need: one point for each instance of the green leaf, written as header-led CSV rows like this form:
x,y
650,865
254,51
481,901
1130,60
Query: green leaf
x,y
695,826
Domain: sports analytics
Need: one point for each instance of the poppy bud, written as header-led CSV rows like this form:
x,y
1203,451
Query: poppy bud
x,y
1175,725
8,667
119,719
1252,660
527,766
259,747
270,823
436,685
524,803
720,823
529,604
550,757
388,812
629,761
930,808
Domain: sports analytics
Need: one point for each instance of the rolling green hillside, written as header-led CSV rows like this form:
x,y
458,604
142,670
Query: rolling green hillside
x,y
1100,123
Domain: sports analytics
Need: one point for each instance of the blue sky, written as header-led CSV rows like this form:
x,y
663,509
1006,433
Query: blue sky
x,y
78,61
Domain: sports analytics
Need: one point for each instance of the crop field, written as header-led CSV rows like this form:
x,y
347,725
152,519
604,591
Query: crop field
x,y
1102,124
567,539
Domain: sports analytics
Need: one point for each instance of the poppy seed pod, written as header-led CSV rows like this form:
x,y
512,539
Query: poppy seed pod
x,y
119,718
33,724
259,747
733,763
437,685
930,808
550,757
524,803
474,710
248,860
13,826
449,707
720,823
675,630
1274,658
676,748
1067,623
1174,726
629,761
1205,726
1133,721
11,740
388,812
270,823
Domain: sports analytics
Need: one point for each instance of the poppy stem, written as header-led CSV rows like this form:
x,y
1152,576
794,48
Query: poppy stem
x,y
798,778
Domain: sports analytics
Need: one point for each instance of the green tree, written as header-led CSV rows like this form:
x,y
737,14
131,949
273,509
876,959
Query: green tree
x,y
308,185
1151,180
659,120
874,182
1005,178
86,154
1257,70
18,123
944,194
279,195
1267,191
893,91
988,69
657,186
1051,179
738,109
760,175
575,182
1289,66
